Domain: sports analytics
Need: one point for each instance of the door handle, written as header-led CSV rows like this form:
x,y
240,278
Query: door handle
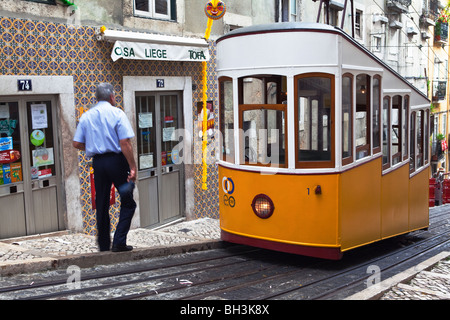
x,y
167,169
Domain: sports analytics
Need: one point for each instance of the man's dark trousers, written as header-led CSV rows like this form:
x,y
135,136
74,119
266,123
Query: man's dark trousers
x,y
112,168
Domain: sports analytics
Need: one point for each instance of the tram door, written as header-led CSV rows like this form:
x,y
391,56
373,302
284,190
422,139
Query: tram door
x,y
30,179
161,181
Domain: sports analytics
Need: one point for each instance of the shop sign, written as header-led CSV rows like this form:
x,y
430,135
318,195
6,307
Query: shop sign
x,y
149,51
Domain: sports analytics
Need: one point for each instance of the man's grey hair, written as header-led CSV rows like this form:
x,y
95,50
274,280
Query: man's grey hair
x,y
104,91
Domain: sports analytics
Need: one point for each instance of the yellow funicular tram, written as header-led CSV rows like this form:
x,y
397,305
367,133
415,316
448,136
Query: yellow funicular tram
x,y
325,148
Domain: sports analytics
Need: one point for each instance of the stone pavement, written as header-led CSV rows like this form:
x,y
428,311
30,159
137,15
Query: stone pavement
x,y
61,249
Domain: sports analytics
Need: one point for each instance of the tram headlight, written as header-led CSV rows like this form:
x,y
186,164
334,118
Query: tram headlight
x,y
263,206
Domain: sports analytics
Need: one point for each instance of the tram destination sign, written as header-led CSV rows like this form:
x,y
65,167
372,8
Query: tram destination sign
x,y
150,51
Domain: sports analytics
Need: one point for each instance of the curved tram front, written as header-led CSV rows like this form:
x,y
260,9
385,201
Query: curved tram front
x,y
325,148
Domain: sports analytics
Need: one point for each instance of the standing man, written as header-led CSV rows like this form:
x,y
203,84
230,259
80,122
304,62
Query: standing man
x,y
105,133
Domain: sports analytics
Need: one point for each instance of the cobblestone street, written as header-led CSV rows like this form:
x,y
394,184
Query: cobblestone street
x,y
426,285
427,281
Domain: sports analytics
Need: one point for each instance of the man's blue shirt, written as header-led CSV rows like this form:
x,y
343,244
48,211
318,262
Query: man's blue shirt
x,y
101,129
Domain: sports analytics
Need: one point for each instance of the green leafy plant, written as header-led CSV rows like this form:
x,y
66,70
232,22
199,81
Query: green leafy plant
x,y
68,3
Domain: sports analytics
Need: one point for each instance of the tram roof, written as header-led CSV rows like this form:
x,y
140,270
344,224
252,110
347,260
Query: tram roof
x,y
313,27
279,27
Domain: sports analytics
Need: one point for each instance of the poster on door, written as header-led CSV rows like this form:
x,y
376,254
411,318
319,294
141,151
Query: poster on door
x,y
112,195
39,116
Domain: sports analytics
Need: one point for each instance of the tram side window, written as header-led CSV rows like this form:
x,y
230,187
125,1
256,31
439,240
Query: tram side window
x,y
405,111
396,120
226,118
262,120
347,119
419,143
386,133
412,139
315,109
419,139
362,125
376,106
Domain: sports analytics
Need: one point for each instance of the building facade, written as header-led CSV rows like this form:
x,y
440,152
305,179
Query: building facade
x,y
54,53
52,56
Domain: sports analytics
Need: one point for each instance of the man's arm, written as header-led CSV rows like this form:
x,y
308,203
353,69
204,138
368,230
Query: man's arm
x,y
127,150
79,145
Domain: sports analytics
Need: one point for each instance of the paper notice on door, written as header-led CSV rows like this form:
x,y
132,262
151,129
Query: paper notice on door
x,y
43,157
39,116
146,161
4,111
145,120
169,134
46,173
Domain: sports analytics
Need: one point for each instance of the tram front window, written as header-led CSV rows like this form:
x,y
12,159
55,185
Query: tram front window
x,y
264,133
315,109
262,120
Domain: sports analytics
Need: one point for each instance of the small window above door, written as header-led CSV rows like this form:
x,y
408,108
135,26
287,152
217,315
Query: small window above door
x,y
157,9
53,2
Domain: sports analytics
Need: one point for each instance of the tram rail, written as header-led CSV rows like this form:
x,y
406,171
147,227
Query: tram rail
x,y
239,272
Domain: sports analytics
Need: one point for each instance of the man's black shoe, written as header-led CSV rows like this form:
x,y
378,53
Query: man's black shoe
x,y
121,248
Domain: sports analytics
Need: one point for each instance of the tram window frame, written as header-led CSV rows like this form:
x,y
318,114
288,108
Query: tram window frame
x,y
227,130
405,126
271,98
376,114
386,142
363,89
347,124
318,163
